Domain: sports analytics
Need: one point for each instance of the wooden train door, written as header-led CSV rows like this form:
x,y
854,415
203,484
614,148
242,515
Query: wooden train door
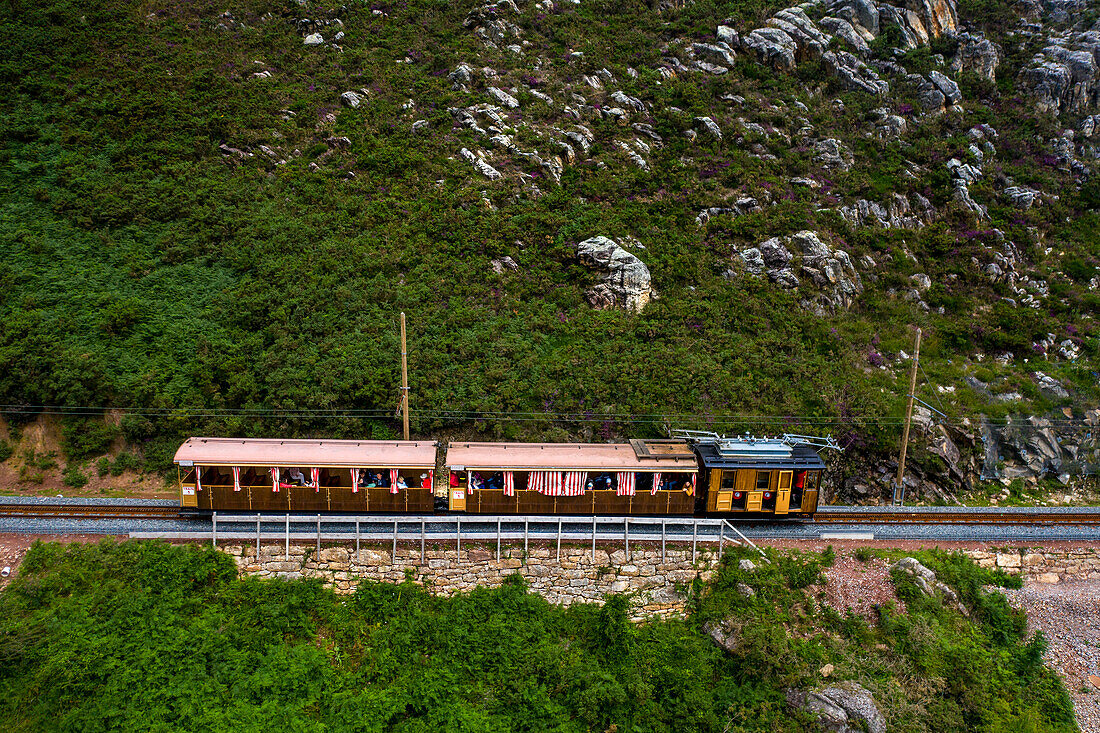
x,y
457,500
723,495
783,492
188,496
809,494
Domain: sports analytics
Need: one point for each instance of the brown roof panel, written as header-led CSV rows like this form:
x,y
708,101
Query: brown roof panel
x,y
313,453
564,456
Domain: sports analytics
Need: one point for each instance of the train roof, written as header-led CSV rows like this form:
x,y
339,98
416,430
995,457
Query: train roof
x,y
637,455
311,453
761,456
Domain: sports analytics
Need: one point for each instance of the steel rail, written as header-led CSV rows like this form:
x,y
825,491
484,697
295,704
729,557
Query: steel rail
x,y
825,516
1086,516
88,511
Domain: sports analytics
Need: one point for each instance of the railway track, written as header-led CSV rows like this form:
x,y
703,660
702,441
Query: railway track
x,y
959,515
825,516
88,511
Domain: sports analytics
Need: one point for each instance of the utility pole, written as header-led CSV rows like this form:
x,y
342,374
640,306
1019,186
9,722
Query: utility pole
x,y
405,383
899,488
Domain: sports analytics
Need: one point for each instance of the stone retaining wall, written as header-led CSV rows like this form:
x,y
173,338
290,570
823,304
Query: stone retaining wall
x,y
656,585
1042,564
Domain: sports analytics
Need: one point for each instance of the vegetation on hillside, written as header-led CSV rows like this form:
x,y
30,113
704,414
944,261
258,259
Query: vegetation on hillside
x,y
145,636
144,268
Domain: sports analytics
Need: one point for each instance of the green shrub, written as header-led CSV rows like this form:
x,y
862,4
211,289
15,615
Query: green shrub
x,y
73,477
103,466
5,450
84,439
123,462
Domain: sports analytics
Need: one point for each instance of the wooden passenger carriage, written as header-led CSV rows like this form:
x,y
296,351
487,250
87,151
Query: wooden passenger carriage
x,y
694,472
518,467
236,474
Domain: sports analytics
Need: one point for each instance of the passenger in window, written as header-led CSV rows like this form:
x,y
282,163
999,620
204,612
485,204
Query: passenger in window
x,y
383,479
424,482
295,475
401,483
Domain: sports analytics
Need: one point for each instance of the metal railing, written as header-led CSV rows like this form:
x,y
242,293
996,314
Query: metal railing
x,y
458,528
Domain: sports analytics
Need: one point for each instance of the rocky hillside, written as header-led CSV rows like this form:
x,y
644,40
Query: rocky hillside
x,y
602,218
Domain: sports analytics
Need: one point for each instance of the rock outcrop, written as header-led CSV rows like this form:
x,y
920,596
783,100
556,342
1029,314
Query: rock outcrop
x,y
1065,76
929,584
803,262
900,212
625,280
791,36
845,708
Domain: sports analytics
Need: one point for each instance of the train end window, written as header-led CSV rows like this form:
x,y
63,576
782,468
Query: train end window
x,y
763,480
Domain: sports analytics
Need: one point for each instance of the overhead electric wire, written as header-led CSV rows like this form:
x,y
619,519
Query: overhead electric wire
x,y
498,415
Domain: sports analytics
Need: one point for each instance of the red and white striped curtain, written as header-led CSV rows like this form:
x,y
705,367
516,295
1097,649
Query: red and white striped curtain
x,y
430,481
509,483
198,479
656,483
625,481
275,480
573,485
315,478
547,483
355,480
393,481
236,478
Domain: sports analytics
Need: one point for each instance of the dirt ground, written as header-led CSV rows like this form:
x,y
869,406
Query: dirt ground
x,y
36,464
1068,615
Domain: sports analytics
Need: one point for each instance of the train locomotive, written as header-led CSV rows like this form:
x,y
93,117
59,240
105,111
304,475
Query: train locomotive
x,y
692,473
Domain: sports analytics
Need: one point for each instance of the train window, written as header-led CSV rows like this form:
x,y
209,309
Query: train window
x,y
729,479
763,480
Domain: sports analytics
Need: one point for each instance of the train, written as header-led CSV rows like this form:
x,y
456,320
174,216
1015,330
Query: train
x,y
690,473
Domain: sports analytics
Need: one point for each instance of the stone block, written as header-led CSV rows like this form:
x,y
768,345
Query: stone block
x,y
578,582
511,564
374,557
479,555
628,570
1048,578
334,554
277,566
1032,559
